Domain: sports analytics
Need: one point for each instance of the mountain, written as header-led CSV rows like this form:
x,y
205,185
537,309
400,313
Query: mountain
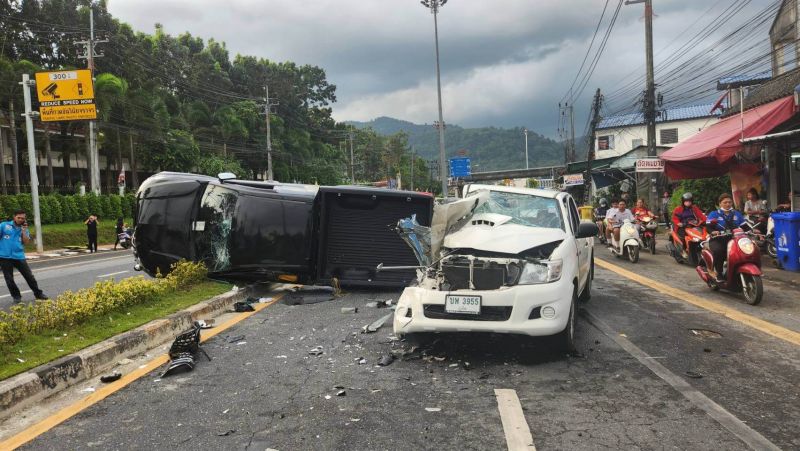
x,y
489,148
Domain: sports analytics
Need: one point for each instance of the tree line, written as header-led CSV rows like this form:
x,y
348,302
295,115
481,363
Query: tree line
x,y
183,103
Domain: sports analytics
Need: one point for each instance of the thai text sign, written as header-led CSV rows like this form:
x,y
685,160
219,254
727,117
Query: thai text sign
x,y
649,165
66,95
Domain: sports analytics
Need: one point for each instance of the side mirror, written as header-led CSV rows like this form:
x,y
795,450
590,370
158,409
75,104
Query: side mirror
x,y
587,230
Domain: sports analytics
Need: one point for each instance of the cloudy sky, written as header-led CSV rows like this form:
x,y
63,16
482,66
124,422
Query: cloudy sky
x,y
504,63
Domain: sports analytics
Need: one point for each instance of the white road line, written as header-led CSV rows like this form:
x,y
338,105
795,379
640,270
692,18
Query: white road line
x,y
21,292
88,262
112,274
730,422
518,434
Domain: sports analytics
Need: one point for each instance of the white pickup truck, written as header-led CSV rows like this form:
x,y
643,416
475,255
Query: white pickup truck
x,y
505,260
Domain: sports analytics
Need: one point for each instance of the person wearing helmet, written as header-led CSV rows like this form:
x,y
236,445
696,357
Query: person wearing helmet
x,y
724,219
687,213
599,218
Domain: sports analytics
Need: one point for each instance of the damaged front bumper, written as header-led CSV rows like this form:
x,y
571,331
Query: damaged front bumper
x,y
535,310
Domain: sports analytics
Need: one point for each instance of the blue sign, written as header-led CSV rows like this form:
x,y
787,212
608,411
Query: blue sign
x,y
460,167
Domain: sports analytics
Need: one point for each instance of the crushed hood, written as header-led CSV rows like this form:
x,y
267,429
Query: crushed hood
x,y
505,238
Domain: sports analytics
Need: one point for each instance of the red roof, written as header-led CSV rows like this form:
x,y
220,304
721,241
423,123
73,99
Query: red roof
x,y
711,152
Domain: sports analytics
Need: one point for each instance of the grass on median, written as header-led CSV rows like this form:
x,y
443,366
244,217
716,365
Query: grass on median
x,y
51,344
59,236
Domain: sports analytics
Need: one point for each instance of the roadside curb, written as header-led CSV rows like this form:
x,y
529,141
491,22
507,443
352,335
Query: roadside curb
x,y
41,382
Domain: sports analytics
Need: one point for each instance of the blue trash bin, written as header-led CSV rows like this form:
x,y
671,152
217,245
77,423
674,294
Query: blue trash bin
x,y
787,240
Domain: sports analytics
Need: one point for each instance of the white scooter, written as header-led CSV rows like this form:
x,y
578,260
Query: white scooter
x,y
631,242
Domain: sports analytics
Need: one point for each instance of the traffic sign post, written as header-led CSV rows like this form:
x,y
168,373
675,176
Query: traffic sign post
x,y
66,95
460,167
29,114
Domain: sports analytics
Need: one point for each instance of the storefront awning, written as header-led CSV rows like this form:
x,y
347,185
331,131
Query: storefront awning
x,y
711,152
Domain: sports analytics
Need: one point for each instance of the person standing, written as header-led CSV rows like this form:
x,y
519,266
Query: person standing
x,y
91,232
14,235
119,229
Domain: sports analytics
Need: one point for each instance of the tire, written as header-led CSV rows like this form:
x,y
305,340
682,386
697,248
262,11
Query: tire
x,y
653,245
586,294
633,253
693,257
753,289
771,250
566,338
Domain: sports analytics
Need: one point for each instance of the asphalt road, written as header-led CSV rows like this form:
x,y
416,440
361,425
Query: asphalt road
x,y
642,380
59,274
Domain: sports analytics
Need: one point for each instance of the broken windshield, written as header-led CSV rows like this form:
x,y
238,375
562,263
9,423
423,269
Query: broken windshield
x,y
524,209
215,221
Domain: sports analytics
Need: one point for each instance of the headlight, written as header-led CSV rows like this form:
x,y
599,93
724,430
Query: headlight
x,y
746,245
646,218
630,229
541,272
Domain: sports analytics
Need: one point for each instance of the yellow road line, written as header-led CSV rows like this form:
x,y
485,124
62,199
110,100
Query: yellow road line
x,y
107,390
731,313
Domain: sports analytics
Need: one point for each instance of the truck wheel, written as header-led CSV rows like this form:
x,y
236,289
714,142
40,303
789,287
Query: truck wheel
x,y
566,338
586,294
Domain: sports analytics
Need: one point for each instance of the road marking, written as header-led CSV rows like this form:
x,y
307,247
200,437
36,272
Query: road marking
x,y
731,313
113,274
107,390
518,435
83,263
70,257
21,292
726,419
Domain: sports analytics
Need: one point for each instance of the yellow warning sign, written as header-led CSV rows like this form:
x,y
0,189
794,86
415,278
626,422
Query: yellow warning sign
x,y
66,95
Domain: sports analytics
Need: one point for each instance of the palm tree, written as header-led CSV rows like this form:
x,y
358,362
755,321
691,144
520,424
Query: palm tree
x,y
109,92
229,125
10,90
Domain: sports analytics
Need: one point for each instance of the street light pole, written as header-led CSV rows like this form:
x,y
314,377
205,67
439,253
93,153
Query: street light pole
x,y
525,132
434,6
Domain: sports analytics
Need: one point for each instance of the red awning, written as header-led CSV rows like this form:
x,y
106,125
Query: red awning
x,y
711,152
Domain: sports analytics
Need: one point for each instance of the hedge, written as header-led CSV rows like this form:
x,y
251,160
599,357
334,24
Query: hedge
x,y
57,208
70,308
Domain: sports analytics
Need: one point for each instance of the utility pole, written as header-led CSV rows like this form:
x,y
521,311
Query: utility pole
x,y
525,132
434,6
268,104
413,158
352,159
649,107
94,158
571,134
569,138
587,178
29,114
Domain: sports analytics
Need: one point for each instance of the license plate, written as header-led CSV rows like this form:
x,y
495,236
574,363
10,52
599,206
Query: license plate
x,y
462,304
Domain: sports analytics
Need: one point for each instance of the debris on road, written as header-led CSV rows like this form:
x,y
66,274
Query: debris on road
x,y
265,300
341,393
433,409
226,411
110,378
361,360
183,349
226,433
694,375
317,350
124,362
374,326
241,307
206,323
312,294
705,333
386,360
88,390
349,309
235,339
380,304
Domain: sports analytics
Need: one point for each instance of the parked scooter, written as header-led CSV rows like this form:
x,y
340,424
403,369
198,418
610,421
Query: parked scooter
x,y
769,239
695,234
125,238
759,226
629,242
649,227
742,268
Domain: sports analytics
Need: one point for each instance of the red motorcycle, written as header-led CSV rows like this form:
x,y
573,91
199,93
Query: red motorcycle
x,y
649,227
695,234
742,269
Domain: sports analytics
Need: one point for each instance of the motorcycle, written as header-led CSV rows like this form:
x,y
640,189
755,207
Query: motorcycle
x,y
601,227
695,234
649,227
629,242
741,270
125,238
763,233
769,239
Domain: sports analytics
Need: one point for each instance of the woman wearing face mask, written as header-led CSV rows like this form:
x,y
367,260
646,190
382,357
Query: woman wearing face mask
x,y
725,218
684,215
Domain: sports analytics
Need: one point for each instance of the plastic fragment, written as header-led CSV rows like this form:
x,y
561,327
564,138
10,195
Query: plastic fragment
x,y
110,378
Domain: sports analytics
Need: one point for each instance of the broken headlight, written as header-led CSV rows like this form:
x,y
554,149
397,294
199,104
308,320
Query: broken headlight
x,y
541,272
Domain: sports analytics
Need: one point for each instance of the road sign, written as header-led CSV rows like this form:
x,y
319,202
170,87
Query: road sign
x,y
460,167
649,165
66,95
573,179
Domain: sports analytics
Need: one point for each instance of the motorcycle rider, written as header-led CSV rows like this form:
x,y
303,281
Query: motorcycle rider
x,y
641,209
618,217
609,214
684,214
600,215
724,219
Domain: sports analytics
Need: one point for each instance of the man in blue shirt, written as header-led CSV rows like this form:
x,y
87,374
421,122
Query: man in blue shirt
x,y
723,219
13,236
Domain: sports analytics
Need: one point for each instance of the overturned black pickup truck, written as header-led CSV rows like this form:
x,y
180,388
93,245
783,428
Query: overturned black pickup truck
x,y
275,232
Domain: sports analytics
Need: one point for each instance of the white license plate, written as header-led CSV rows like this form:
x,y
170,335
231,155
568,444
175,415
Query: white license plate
x,y
462,304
